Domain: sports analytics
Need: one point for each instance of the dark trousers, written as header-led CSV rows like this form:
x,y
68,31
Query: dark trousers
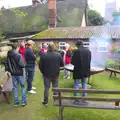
x,y
47,82
30,77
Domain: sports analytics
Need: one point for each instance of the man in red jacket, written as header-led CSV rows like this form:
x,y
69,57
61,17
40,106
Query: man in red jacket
x,y
22,50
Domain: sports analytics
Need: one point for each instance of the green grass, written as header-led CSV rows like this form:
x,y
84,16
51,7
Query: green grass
x,y
36,111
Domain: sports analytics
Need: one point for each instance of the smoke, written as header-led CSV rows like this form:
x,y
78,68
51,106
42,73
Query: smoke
x,y
100,50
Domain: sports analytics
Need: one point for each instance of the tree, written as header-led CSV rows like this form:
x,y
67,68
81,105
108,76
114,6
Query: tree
x,y
2,37
94,18
116,17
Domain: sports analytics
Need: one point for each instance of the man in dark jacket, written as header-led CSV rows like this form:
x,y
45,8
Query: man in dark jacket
x,y
30,66
81,60
15,64
49,66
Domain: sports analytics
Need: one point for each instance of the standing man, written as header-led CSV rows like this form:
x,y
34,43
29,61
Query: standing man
x,y
15,64
30,66
49,66
81,60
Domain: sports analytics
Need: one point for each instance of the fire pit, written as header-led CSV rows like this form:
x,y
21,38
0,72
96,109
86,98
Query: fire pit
x,y
94,70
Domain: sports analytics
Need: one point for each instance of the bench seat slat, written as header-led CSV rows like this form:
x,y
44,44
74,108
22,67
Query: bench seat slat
x,y
69,90
113,70
92,105
87,98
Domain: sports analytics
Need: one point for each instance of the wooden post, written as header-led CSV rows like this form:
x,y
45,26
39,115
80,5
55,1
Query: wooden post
x,y
115,74
111,74
61,108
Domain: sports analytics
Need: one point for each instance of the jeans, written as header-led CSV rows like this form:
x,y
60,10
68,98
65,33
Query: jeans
x,y
29,77
77,86
16,81
47,82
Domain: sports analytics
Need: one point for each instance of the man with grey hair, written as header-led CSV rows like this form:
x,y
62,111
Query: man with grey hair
x,y
30,66
49,66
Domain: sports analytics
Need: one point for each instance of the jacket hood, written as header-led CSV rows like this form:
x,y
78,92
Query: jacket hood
x,y
11,53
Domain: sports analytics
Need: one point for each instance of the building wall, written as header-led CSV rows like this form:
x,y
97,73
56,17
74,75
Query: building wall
x,y
98,57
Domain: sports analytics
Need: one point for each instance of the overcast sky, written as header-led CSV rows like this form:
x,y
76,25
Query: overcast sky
x,y
98,5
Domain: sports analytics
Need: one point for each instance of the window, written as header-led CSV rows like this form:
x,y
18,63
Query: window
x,y
62,45
86,44
102,47
42,44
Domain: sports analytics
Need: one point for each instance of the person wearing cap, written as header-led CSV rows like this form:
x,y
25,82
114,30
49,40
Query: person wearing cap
x,y
81,60
30,66
49,66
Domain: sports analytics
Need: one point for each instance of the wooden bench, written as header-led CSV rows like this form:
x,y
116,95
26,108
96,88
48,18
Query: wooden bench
x,y
6,89
62,100
113,71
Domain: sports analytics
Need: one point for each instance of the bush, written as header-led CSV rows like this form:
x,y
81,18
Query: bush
x,y
2,60
36,50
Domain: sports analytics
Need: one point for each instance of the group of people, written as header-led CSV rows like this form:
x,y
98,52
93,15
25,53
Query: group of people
x,y
21,59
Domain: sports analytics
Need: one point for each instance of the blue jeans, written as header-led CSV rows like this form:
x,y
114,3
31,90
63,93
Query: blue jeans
x,y
16,81
77,86
29,77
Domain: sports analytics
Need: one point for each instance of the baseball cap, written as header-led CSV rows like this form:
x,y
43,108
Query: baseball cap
x,y
79,42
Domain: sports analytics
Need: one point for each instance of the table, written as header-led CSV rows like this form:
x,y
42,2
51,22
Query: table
x,y
93,70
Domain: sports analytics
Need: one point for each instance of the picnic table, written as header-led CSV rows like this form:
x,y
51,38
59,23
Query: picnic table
x,y
114,69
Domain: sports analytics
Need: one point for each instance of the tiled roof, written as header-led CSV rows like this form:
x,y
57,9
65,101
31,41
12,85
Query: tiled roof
x,y
80,32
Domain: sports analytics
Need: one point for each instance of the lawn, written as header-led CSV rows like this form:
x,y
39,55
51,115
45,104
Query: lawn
x,y
36,111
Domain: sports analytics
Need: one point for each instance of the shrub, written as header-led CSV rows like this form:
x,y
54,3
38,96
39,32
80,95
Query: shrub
x,y
36,50
2,60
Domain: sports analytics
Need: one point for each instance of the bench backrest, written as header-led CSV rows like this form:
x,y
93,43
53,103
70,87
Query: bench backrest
x,y
60,96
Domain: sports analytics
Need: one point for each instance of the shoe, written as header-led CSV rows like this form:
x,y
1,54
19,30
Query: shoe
x,y
76,102
23,104
68,78
32,92
45,103
84,101
33,88
64,77
16,105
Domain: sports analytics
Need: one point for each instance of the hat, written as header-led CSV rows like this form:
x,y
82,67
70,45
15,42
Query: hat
x,y
30,42
79,42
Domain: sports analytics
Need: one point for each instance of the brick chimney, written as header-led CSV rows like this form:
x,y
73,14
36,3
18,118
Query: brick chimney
x,y
52,13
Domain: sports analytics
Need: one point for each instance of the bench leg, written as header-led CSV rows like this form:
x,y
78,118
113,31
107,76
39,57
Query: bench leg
x,y
61,113
111,74
115,74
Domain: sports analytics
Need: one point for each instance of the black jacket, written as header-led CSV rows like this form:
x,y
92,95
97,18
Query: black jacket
x,y
30,58
81,60
14,63
50,64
